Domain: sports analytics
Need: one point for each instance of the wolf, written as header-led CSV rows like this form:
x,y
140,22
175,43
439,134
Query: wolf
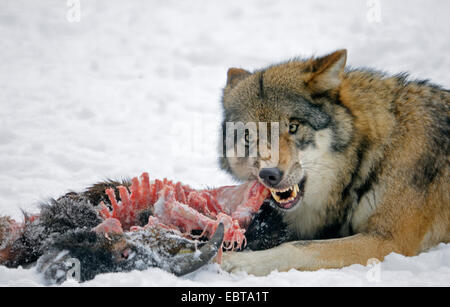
x,y
363,161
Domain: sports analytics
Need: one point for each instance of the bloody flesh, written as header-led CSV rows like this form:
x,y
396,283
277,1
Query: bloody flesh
x,y
180,207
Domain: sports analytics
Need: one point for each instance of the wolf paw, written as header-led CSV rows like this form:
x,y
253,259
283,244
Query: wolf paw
x,y
252,263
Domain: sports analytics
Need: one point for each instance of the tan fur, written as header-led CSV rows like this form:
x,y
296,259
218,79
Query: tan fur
x,y
393,138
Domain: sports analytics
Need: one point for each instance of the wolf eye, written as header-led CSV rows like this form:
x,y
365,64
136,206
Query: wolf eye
x,y
293,127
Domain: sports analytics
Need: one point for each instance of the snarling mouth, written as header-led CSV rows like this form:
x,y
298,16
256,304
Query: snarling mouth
x,y
288,198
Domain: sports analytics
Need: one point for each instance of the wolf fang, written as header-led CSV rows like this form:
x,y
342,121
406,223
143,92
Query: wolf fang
x,y
201,297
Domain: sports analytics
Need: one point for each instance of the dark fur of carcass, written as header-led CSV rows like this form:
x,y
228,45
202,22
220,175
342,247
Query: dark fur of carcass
x,y
64,228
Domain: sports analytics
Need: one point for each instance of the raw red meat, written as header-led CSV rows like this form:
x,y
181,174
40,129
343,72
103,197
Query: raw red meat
x,y
179,207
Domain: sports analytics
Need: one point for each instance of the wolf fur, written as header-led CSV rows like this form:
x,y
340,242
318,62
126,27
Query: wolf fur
x,y
373,149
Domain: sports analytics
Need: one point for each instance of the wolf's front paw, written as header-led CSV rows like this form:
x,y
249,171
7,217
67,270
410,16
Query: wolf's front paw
x,y
251,262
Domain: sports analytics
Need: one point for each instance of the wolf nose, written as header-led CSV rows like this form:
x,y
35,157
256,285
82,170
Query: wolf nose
x,y
271,176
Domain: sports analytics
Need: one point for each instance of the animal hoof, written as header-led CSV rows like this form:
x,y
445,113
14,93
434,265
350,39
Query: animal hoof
x,y
56,266
187,263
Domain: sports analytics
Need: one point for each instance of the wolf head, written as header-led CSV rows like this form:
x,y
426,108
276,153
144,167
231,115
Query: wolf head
x,y
300,99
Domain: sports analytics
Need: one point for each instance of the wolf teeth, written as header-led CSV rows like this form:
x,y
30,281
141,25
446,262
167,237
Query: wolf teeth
x,y
294,191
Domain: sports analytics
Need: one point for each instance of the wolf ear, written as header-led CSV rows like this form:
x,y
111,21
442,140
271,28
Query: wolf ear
x,y
327,71
235,75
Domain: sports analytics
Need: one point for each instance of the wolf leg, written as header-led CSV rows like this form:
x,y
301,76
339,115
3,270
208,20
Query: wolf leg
x,y
310,255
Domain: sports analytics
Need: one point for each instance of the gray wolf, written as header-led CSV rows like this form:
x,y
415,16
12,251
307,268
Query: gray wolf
x,y
363,166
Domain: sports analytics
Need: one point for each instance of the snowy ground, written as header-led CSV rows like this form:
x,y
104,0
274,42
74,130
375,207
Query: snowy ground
x,y
134,86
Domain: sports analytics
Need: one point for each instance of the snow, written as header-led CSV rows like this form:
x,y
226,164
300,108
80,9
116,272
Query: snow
x,y
427,269
135,86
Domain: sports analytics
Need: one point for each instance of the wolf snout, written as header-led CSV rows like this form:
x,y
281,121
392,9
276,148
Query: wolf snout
x,y
271,176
